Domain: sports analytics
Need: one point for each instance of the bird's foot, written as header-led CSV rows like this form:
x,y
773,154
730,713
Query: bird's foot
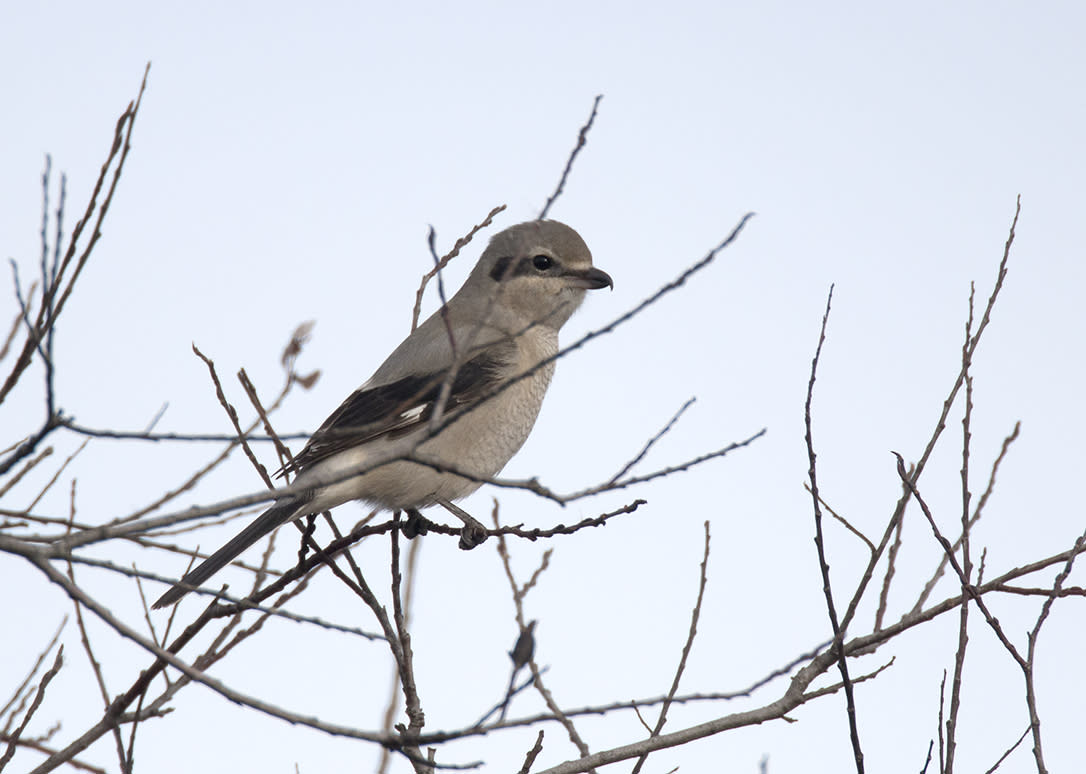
x,y
416,524
473,533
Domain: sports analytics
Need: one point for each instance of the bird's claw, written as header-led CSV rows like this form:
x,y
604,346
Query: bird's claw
x,y
472,534
414,525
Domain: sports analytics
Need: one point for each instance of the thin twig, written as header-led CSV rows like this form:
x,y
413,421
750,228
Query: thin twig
x,y
940,425
843,521
529,759
144,435
891,569
232,414
30,675
96,667
968,589
977,512
651,442
28,466
537,675
55,300
838,630
967,563
1009,750
13,740
685,652
1031,693
441,264
412,704
582,138
394,693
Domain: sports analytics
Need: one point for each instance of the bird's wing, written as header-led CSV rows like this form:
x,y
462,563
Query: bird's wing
x,y
395,408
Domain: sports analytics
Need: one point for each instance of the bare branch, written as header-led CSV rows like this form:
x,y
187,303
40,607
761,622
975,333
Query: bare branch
x,y
582,138
444,261
13,740
529,759
685,653
651,442
967,563
838,629
1009,750
537,675
940,425
930,585
30,676
55,297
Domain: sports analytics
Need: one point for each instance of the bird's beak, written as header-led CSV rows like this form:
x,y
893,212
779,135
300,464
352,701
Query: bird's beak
x,y
589,279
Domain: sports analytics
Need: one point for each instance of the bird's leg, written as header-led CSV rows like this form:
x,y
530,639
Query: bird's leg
x,y
415,525
473,533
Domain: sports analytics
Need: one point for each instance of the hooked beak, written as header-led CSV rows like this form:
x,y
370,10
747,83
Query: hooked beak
x,y
589,279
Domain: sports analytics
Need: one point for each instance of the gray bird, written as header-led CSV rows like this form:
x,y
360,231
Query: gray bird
x,y
502,323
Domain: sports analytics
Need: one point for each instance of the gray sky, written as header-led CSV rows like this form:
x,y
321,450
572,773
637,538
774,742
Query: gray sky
x,y
285,166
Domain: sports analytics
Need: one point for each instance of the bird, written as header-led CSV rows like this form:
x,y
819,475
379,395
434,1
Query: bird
x,y
482,362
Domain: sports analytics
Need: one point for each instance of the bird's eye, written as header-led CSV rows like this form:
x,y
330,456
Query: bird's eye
x,y
542,262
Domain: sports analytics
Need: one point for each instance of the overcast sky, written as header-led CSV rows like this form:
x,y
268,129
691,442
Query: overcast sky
x,y
286,165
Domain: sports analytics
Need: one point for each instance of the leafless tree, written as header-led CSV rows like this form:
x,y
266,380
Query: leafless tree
x,y
65,548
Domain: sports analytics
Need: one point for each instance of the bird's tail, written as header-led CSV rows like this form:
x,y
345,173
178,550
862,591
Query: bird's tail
x,y
280,513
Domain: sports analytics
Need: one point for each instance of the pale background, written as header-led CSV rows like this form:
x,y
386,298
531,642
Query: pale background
x,y
285,166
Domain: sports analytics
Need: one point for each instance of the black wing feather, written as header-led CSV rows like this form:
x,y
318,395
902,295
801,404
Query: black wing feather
x,y
398,407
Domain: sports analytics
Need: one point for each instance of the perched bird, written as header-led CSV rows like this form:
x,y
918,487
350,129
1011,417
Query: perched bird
x,y
501,324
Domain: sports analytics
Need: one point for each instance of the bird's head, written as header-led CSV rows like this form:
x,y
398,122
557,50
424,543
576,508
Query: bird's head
x,y
537,273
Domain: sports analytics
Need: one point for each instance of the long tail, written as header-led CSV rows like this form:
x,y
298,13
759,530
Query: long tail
x,y
280,513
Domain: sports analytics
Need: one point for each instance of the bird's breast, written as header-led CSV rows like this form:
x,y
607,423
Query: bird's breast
x,y
484,440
